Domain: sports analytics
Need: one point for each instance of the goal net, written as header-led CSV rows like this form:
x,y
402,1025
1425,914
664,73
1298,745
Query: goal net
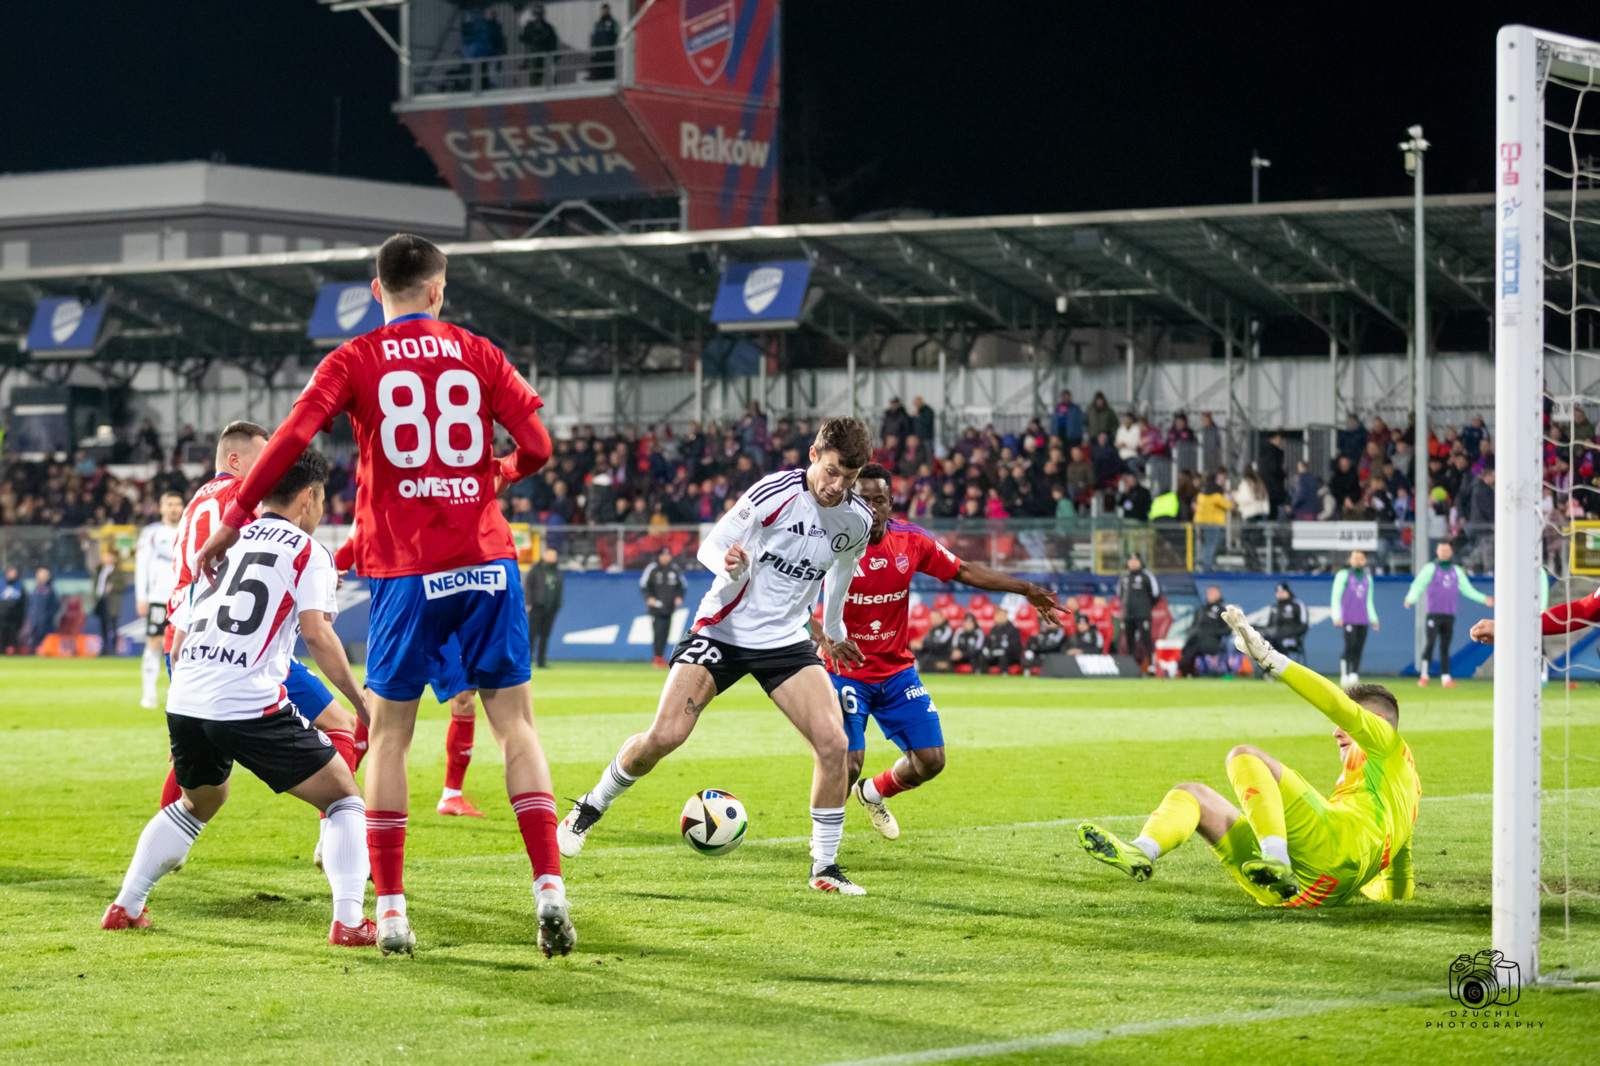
x,y
1546,821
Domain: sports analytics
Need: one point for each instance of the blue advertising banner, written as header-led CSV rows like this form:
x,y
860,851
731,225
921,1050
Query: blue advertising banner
x,y
63,326
344,310
761,295
603,616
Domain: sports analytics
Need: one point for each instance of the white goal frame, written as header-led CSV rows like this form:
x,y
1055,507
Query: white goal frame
x,y
1523,58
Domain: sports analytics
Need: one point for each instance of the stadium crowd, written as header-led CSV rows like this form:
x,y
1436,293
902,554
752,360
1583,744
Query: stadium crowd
x,y
1054,467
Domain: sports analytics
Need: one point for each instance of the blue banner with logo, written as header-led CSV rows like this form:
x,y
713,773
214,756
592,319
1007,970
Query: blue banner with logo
x,y
344,310
63,326
762,295
603,615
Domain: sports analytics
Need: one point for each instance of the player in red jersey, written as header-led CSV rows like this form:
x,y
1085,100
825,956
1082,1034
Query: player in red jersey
x,y
237,450
449,687
423,397
877,616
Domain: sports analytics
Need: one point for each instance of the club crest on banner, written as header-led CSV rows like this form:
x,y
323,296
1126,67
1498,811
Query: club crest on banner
x,y
707,36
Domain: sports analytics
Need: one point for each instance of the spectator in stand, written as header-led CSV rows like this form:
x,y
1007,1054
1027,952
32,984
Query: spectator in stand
x,y
1068,420
896,421
753,438
1080,478
925,421
561,506
1002,648
994,507
1180,433
1129,437
948,505
968,647
1371,461
1133,502
1486,459
1476,433
1251,496
1479,518
1138,590
887,453
1100,418
1050,640
1273,474
1379,502
1104,459
933,648
44,609
1151,442
13,612
969,443
1211,509
603,38
1352,439
1344,484
1306,503
1210,442
921,507
1455,475
539,38
1379,433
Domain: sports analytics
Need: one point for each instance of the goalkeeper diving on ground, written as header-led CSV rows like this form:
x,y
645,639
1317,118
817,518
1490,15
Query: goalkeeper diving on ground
x,y
1291,846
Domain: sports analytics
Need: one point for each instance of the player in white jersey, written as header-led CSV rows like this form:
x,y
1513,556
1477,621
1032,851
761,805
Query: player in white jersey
x,y
785,534
152,583
228,702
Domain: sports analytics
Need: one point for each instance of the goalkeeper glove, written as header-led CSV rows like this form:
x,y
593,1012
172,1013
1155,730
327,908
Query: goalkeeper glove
x,y
1268,660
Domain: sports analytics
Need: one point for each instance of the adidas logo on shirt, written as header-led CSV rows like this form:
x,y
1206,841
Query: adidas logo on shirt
x,y
798,529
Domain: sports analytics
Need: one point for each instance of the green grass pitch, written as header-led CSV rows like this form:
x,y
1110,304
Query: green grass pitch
x,y
985,929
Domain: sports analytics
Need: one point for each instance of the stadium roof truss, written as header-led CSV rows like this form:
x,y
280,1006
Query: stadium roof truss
x,y
1341,265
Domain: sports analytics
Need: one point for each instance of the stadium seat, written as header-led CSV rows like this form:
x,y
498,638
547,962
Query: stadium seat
x,y
918,622
943,601
963,668
1027,620
983,610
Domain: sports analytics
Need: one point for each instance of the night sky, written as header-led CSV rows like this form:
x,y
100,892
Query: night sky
x,y
941,106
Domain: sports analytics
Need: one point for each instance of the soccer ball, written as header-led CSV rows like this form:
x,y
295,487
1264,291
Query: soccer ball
x,y
713,822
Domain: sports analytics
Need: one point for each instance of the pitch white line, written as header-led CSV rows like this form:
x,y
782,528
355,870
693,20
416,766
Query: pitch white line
x,y
1087,1037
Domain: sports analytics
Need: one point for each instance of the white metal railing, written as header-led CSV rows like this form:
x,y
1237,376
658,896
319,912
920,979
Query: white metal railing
x,y
515,71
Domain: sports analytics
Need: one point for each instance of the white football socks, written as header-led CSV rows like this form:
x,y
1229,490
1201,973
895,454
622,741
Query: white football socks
x,y
614,781
396,903
1148,846
1276,848
827,829
344,858
550,883
163,846
448,793
150,671
869,791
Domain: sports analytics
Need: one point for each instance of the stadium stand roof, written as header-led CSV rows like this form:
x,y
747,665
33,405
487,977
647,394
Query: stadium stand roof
x,y
1342,265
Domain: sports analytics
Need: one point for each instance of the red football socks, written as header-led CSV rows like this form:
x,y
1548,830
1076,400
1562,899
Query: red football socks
x,y
536,817
386,848
344,742
361,741
458,750
888,784
170,792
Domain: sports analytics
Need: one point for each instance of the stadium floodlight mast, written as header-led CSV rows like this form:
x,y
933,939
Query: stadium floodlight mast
x,y
1421,506
1256,163
1529,62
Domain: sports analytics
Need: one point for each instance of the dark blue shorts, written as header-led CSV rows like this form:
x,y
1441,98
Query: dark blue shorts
x,y
900,705
451,679
306,690
415,618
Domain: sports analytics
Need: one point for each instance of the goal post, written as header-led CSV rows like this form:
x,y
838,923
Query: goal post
x,y
1543,83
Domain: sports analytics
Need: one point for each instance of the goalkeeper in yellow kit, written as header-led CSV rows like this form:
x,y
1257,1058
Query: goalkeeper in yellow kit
x,y
1291,846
